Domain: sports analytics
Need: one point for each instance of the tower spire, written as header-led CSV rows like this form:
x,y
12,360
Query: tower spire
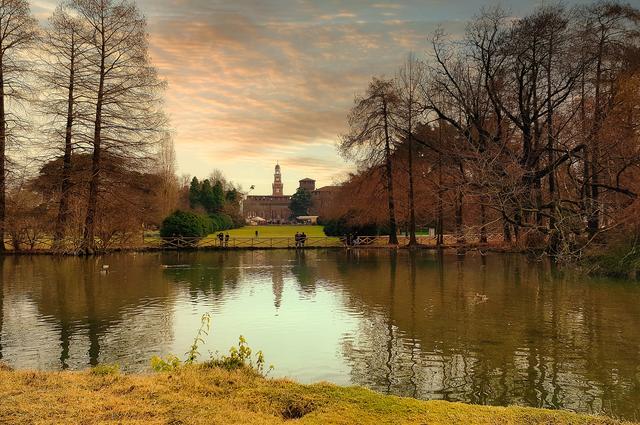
x,y
277,182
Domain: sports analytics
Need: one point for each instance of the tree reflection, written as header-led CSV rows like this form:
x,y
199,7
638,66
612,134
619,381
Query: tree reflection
x,y
88,308
213,274
493,330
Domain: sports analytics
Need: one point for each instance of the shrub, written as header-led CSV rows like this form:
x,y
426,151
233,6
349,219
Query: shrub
x,y
343,227
185,224
167,364
221,221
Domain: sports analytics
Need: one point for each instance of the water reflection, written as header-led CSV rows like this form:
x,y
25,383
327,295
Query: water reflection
x,y
498,331
482,329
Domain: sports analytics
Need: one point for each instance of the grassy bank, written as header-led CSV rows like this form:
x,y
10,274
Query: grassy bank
x,y
196,395
620,259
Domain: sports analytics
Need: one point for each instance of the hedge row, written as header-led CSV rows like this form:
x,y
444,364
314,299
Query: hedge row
x,y
192,225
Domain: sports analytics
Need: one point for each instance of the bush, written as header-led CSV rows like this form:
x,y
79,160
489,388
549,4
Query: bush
x,y
342,227
185,224
221,221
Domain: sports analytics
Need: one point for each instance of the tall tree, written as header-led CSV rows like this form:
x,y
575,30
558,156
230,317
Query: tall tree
x,y
371,137
167,171
207,197
218,197
194,192
17,33
607,30
125,93
64,49
411,105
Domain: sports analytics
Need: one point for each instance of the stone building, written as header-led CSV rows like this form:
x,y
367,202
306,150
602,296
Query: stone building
x,y
274,208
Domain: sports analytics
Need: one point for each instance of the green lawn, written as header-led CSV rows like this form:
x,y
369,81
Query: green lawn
x,y
275,231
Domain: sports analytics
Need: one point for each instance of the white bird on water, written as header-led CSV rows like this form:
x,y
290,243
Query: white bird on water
x,y
105,268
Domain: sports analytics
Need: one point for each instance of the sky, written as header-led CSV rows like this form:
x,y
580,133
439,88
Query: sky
x,y
255,82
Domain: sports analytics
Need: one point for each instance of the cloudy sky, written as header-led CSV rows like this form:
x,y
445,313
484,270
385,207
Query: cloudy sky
x,y
252,82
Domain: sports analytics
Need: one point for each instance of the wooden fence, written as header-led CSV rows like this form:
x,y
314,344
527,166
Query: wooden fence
x,y
289,242
71,245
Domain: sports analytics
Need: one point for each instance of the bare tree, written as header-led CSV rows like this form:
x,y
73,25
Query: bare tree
x,y
17,33
607,29
167,171
125,91
371,137
64,50
411,106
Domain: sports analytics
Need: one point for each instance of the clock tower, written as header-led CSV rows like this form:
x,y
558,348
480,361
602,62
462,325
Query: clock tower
x,y
277,182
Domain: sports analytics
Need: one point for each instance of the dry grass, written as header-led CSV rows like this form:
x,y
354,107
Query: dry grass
x,y
214,396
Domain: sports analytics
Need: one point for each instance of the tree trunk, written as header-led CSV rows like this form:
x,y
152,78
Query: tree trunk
x,y
593,223
440,222
459,211
393,227
483,223
3,148
412,208
506,231
65,192
96,165
458,217
554,234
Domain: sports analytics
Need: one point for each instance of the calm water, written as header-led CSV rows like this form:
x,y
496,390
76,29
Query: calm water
x,y
491,330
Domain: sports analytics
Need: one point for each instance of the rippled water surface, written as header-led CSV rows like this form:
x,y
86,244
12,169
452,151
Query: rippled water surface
x,y
492,330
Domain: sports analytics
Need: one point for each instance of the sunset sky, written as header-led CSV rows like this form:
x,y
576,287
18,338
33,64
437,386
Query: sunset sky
x,y
252,82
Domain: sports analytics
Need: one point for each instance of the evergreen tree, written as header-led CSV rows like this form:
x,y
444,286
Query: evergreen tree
x,y
194,193
207,196
300,203
217,197
232,196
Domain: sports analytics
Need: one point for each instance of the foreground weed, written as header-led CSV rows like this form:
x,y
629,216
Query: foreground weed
x,y
105,369
240,356
203,332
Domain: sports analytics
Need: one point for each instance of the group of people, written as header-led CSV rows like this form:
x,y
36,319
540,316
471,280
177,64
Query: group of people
x,y
224,239
301,238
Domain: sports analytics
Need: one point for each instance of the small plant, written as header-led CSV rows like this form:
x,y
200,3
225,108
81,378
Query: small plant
x,y
167,364
240,357
205,325
105,369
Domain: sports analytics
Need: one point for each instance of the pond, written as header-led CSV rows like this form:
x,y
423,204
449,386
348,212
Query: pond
x,y
494,329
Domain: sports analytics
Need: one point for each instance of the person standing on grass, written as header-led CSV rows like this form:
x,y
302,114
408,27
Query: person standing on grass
x,y
220,237
297,237
226,240
256,233
303,239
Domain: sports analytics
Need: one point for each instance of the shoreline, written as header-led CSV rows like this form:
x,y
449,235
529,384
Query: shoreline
x,y
199,395
143,249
